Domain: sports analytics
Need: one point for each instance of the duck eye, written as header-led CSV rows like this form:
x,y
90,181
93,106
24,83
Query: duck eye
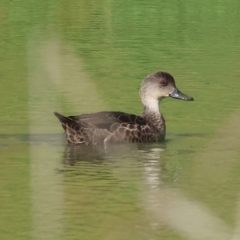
x,y
163,82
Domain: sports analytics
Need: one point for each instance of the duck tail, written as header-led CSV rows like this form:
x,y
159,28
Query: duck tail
x,y
66,121
69,124
61,118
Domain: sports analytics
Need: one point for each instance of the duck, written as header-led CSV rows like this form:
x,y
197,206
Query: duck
x,y
112,127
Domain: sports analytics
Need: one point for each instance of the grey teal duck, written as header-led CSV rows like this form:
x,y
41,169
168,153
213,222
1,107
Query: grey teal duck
x,y
119,127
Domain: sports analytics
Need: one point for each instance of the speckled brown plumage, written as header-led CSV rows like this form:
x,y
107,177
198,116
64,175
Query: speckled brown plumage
x,y
120,127
111,127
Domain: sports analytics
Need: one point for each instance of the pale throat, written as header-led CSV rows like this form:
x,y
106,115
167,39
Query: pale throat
x,y
151,105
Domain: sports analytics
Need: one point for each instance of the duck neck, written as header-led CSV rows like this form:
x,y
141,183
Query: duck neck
x,y
153,116
151,106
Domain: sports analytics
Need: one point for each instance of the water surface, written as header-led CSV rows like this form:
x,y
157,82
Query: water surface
x,y
84,56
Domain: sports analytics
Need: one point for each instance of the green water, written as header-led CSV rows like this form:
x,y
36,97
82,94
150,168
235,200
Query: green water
x,y
84,56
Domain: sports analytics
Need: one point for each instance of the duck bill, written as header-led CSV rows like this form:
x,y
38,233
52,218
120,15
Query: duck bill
x,y
179,95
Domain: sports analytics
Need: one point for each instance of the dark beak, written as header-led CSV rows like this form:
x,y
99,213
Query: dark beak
x,y
179,95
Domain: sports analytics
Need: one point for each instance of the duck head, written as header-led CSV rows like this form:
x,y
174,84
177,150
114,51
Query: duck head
x,y
159,85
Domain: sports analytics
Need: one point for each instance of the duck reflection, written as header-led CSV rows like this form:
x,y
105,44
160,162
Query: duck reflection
x,y
74,154
140,152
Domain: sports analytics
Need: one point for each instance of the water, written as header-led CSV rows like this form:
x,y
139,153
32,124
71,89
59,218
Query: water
x,y
84,56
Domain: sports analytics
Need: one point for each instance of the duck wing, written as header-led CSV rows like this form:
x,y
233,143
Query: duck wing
x,y
94,128
108,120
